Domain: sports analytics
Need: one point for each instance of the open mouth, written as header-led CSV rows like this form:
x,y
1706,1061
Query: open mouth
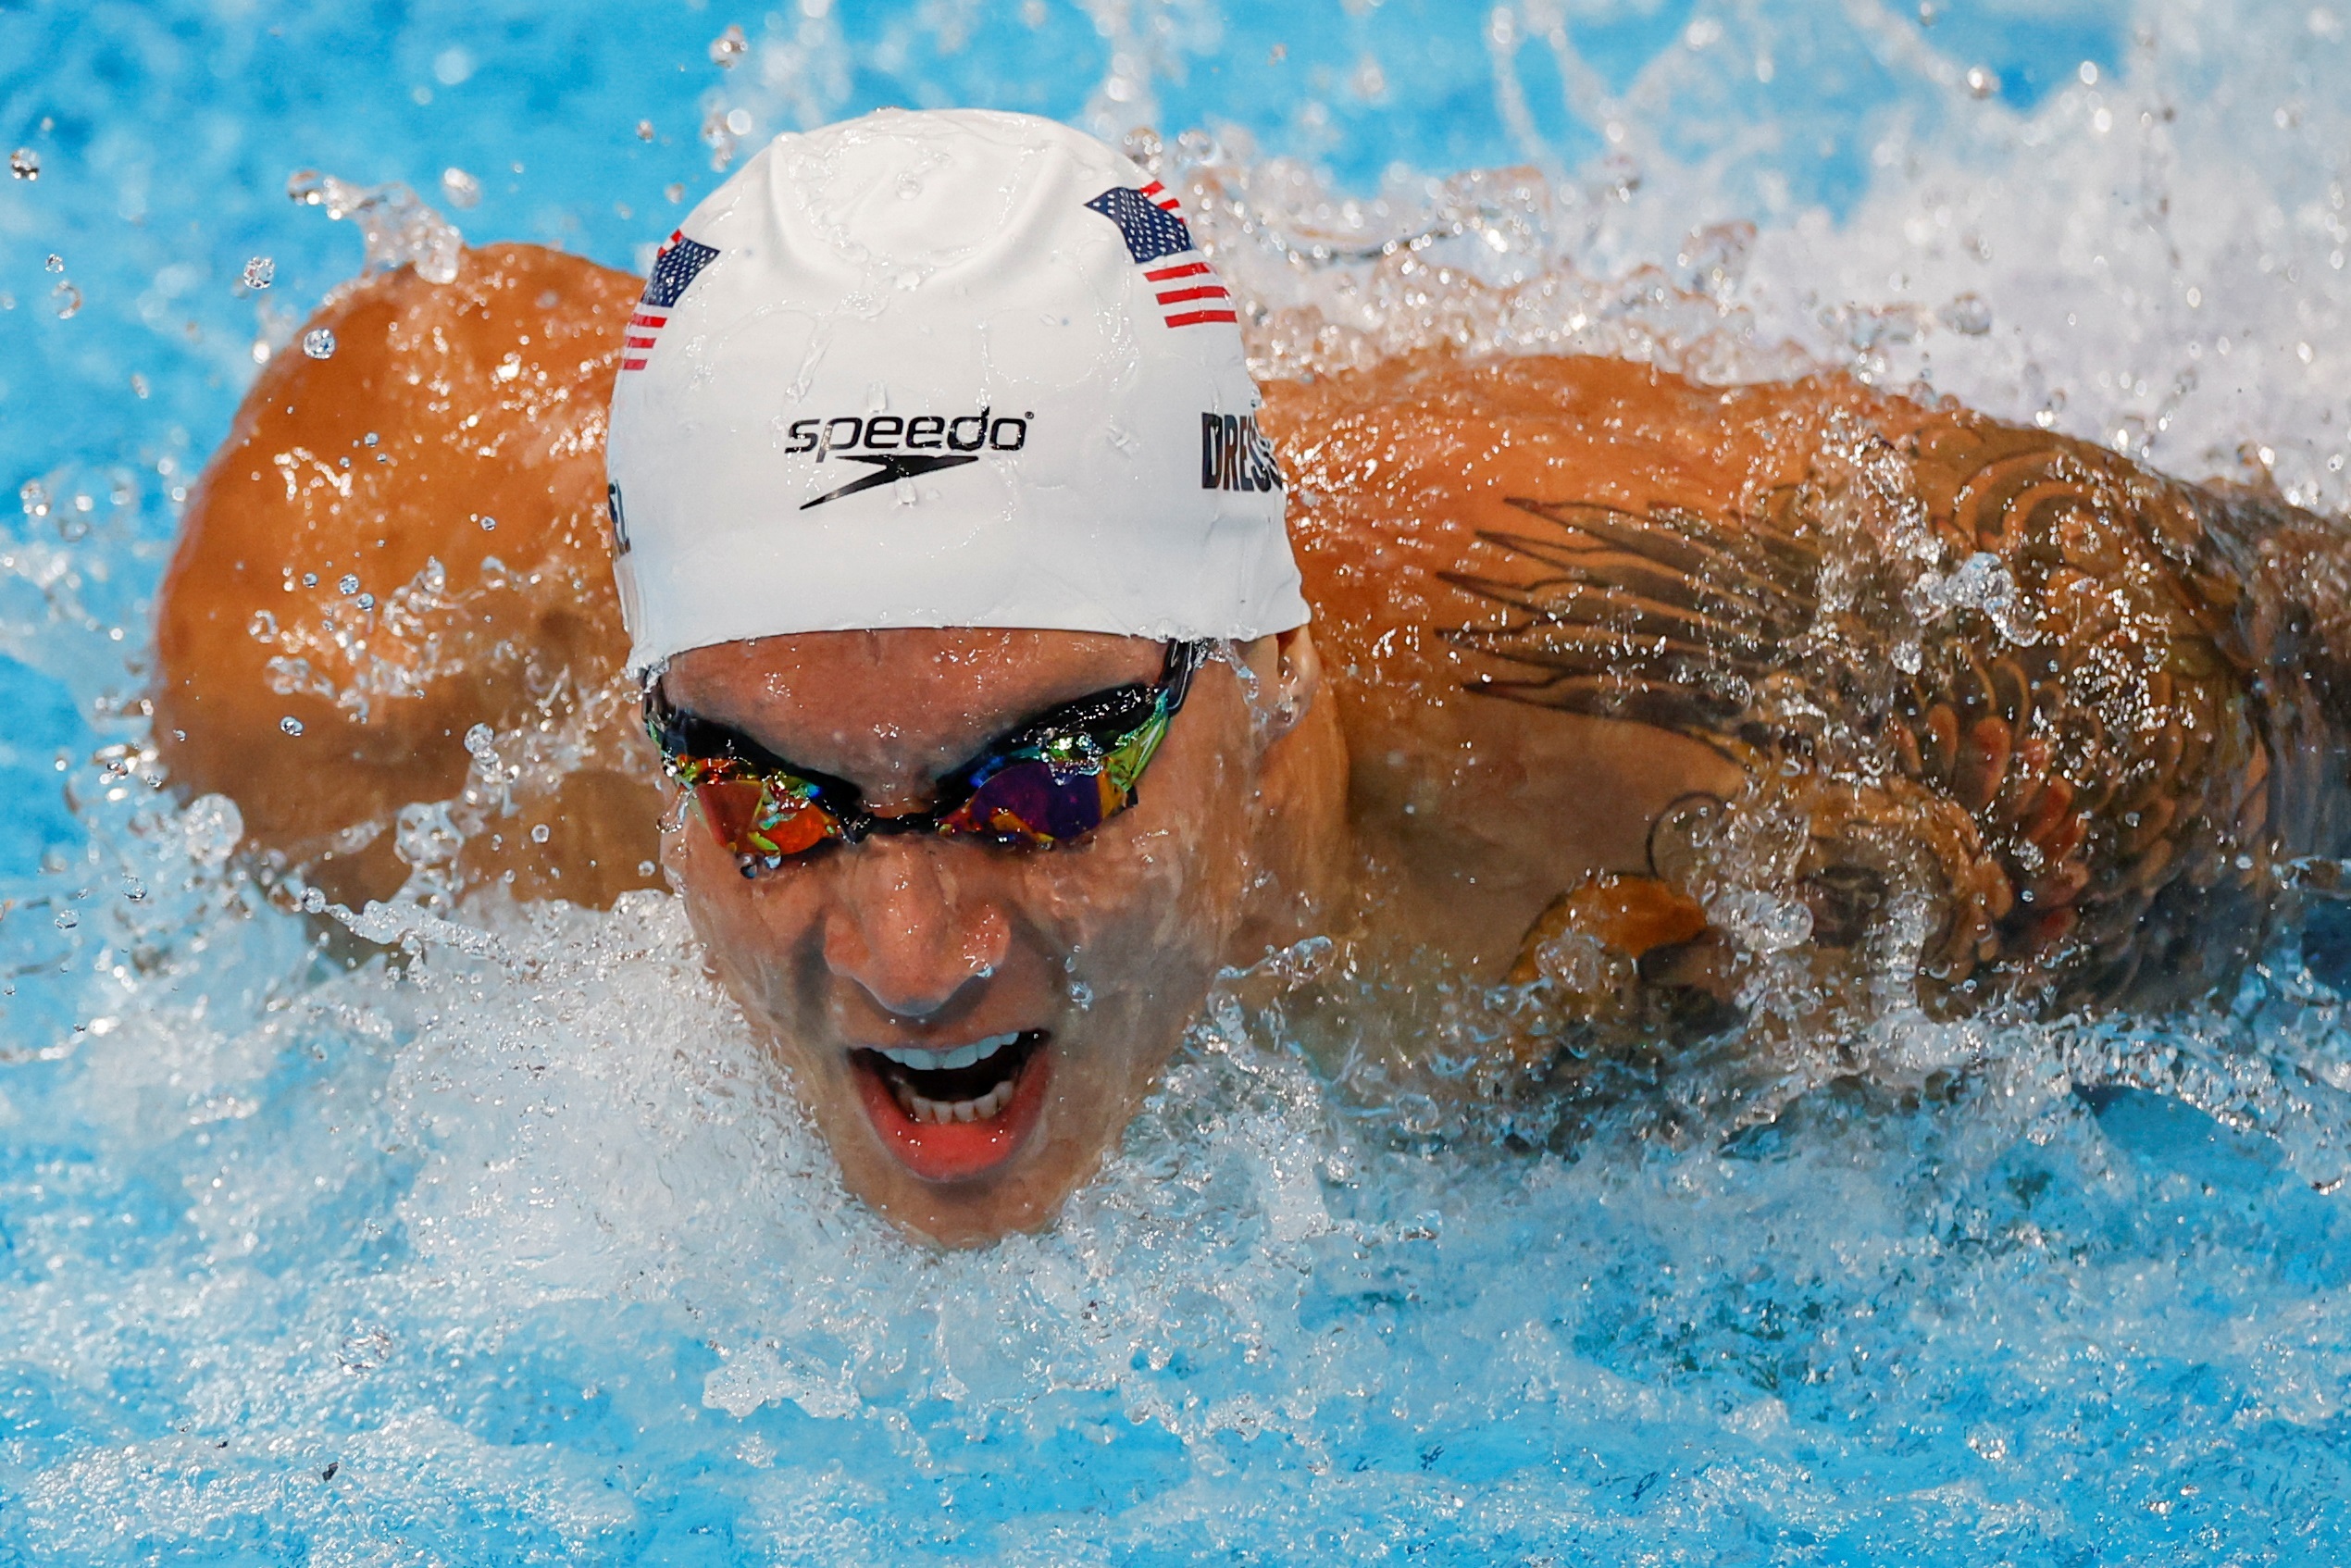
x,y
953,1113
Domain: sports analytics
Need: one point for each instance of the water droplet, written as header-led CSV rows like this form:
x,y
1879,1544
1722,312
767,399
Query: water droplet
x,y
366,601
213,825
462,189
67,920
539,833
480,741
69,300
728,47
644,130
25,164
35,496
1969,314
489,525
319,343
674,192
310,580
56,262
349,584
291,724
721,140
369,438
260,272
1982,82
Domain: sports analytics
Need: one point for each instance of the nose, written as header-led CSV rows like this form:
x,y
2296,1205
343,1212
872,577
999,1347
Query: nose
x,y
908,933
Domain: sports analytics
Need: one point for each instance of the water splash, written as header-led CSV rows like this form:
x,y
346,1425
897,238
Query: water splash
x,y
501,1238
395,228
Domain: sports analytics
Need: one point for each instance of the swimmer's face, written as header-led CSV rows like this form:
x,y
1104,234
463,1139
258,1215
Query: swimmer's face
x,y
972,1025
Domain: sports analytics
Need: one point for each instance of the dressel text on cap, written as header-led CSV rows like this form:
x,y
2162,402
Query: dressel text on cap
x,y
1235,454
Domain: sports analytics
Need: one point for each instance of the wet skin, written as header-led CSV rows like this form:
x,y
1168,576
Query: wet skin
x,y
1241,842
1533,581
1094,956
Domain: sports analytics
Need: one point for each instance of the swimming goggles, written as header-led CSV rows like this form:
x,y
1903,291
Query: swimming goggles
x,y
1052,780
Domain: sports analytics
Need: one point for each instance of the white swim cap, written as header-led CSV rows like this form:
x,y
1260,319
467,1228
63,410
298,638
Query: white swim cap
x,y
957,369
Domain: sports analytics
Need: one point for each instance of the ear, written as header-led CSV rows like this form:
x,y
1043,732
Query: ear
x,y
1288,680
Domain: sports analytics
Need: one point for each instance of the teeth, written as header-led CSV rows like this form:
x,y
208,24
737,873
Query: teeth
x,y
940,1112
947,1061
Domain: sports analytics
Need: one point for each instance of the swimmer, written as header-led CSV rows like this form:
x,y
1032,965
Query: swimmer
x,y
911,576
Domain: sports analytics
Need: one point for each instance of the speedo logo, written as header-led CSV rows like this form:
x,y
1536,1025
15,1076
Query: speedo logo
x,y
902,446
1235,454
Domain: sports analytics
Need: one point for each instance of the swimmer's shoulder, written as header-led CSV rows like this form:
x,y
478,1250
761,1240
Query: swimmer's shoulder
x,y
390,541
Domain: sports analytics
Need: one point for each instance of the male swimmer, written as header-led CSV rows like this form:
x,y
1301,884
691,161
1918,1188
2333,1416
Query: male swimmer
x,y
1002,685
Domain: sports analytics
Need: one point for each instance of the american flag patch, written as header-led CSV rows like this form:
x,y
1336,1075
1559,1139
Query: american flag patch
x,y
1186,290
679,261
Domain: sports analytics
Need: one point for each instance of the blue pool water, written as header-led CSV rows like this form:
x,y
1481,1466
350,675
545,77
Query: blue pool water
x,y
514,1252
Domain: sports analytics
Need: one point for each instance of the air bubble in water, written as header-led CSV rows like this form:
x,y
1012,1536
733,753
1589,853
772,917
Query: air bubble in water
x,y
260,272
319,343
539,833
349,584
291,724
644,130
462,189
480,742
364,1350
55,262
35,496
69,300
1982,82
67,920
728,47
25,164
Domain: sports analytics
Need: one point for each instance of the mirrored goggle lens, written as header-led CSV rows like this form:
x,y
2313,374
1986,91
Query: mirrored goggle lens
x,y
754,818
1029,802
